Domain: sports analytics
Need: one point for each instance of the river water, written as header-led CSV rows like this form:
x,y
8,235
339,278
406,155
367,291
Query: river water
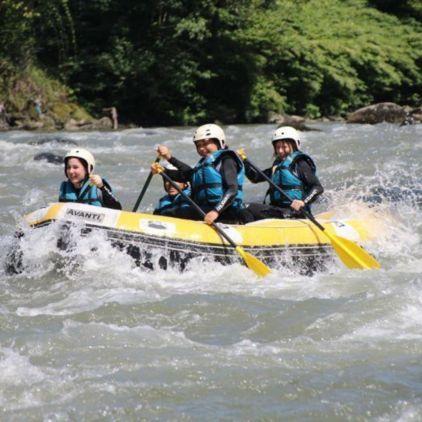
x,y
104,339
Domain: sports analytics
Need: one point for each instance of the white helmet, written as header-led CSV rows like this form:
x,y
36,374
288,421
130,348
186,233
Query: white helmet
x,y
210,131
287,133
84,155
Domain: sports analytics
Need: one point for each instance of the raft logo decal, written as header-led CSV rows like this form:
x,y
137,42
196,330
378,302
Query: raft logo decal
x,y
232,232
343,229
86,215
154,227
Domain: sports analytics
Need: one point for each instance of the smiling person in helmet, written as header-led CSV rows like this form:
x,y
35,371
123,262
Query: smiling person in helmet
x,y
216,180
292,170
82,185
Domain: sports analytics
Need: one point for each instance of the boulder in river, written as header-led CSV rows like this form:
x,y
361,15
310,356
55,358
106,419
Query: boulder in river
x,y
416,115
378,113
298,122
104,123
49,157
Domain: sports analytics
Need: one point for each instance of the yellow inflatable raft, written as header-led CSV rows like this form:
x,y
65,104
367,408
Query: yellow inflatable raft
x,y
153,239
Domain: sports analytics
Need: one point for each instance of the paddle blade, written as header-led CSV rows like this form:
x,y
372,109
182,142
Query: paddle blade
x,y
253,263
352,255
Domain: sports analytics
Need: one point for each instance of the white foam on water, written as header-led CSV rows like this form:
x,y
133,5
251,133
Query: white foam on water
x,y
41,167
251,348
35,197
88,322
27,386
95,333
14,154
393,220
19,134
17,370
394,314
80,301
404,411
185,140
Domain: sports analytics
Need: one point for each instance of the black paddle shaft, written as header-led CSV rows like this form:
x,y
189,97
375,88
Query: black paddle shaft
x,y
306,213
198,208
144,189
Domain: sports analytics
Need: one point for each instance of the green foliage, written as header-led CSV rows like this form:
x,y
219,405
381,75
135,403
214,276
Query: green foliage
x,y
21,81
54,32
263,99
163,62
26,85
16,43
329,56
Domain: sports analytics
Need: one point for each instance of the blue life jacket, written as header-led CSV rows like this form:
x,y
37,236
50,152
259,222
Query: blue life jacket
x,y
207,182
283,175
169,201
88,194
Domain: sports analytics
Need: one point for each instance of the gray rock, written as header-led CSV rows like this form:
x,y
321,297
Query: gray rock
x,y
298,122
335,118
31,125
104,123
73,125
49,157
378,113
416,114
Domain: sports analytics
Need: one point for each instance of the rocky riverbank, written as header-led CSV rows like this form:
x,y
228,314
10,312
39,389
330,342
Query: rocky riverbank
x,y
372,114
71,117
32,100
50,121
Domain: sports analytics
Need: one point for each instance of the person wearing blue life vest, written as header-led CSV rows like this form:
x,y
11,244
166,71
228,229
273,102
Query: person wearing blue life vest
x,y
82,186
170,204
216,180
293,171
